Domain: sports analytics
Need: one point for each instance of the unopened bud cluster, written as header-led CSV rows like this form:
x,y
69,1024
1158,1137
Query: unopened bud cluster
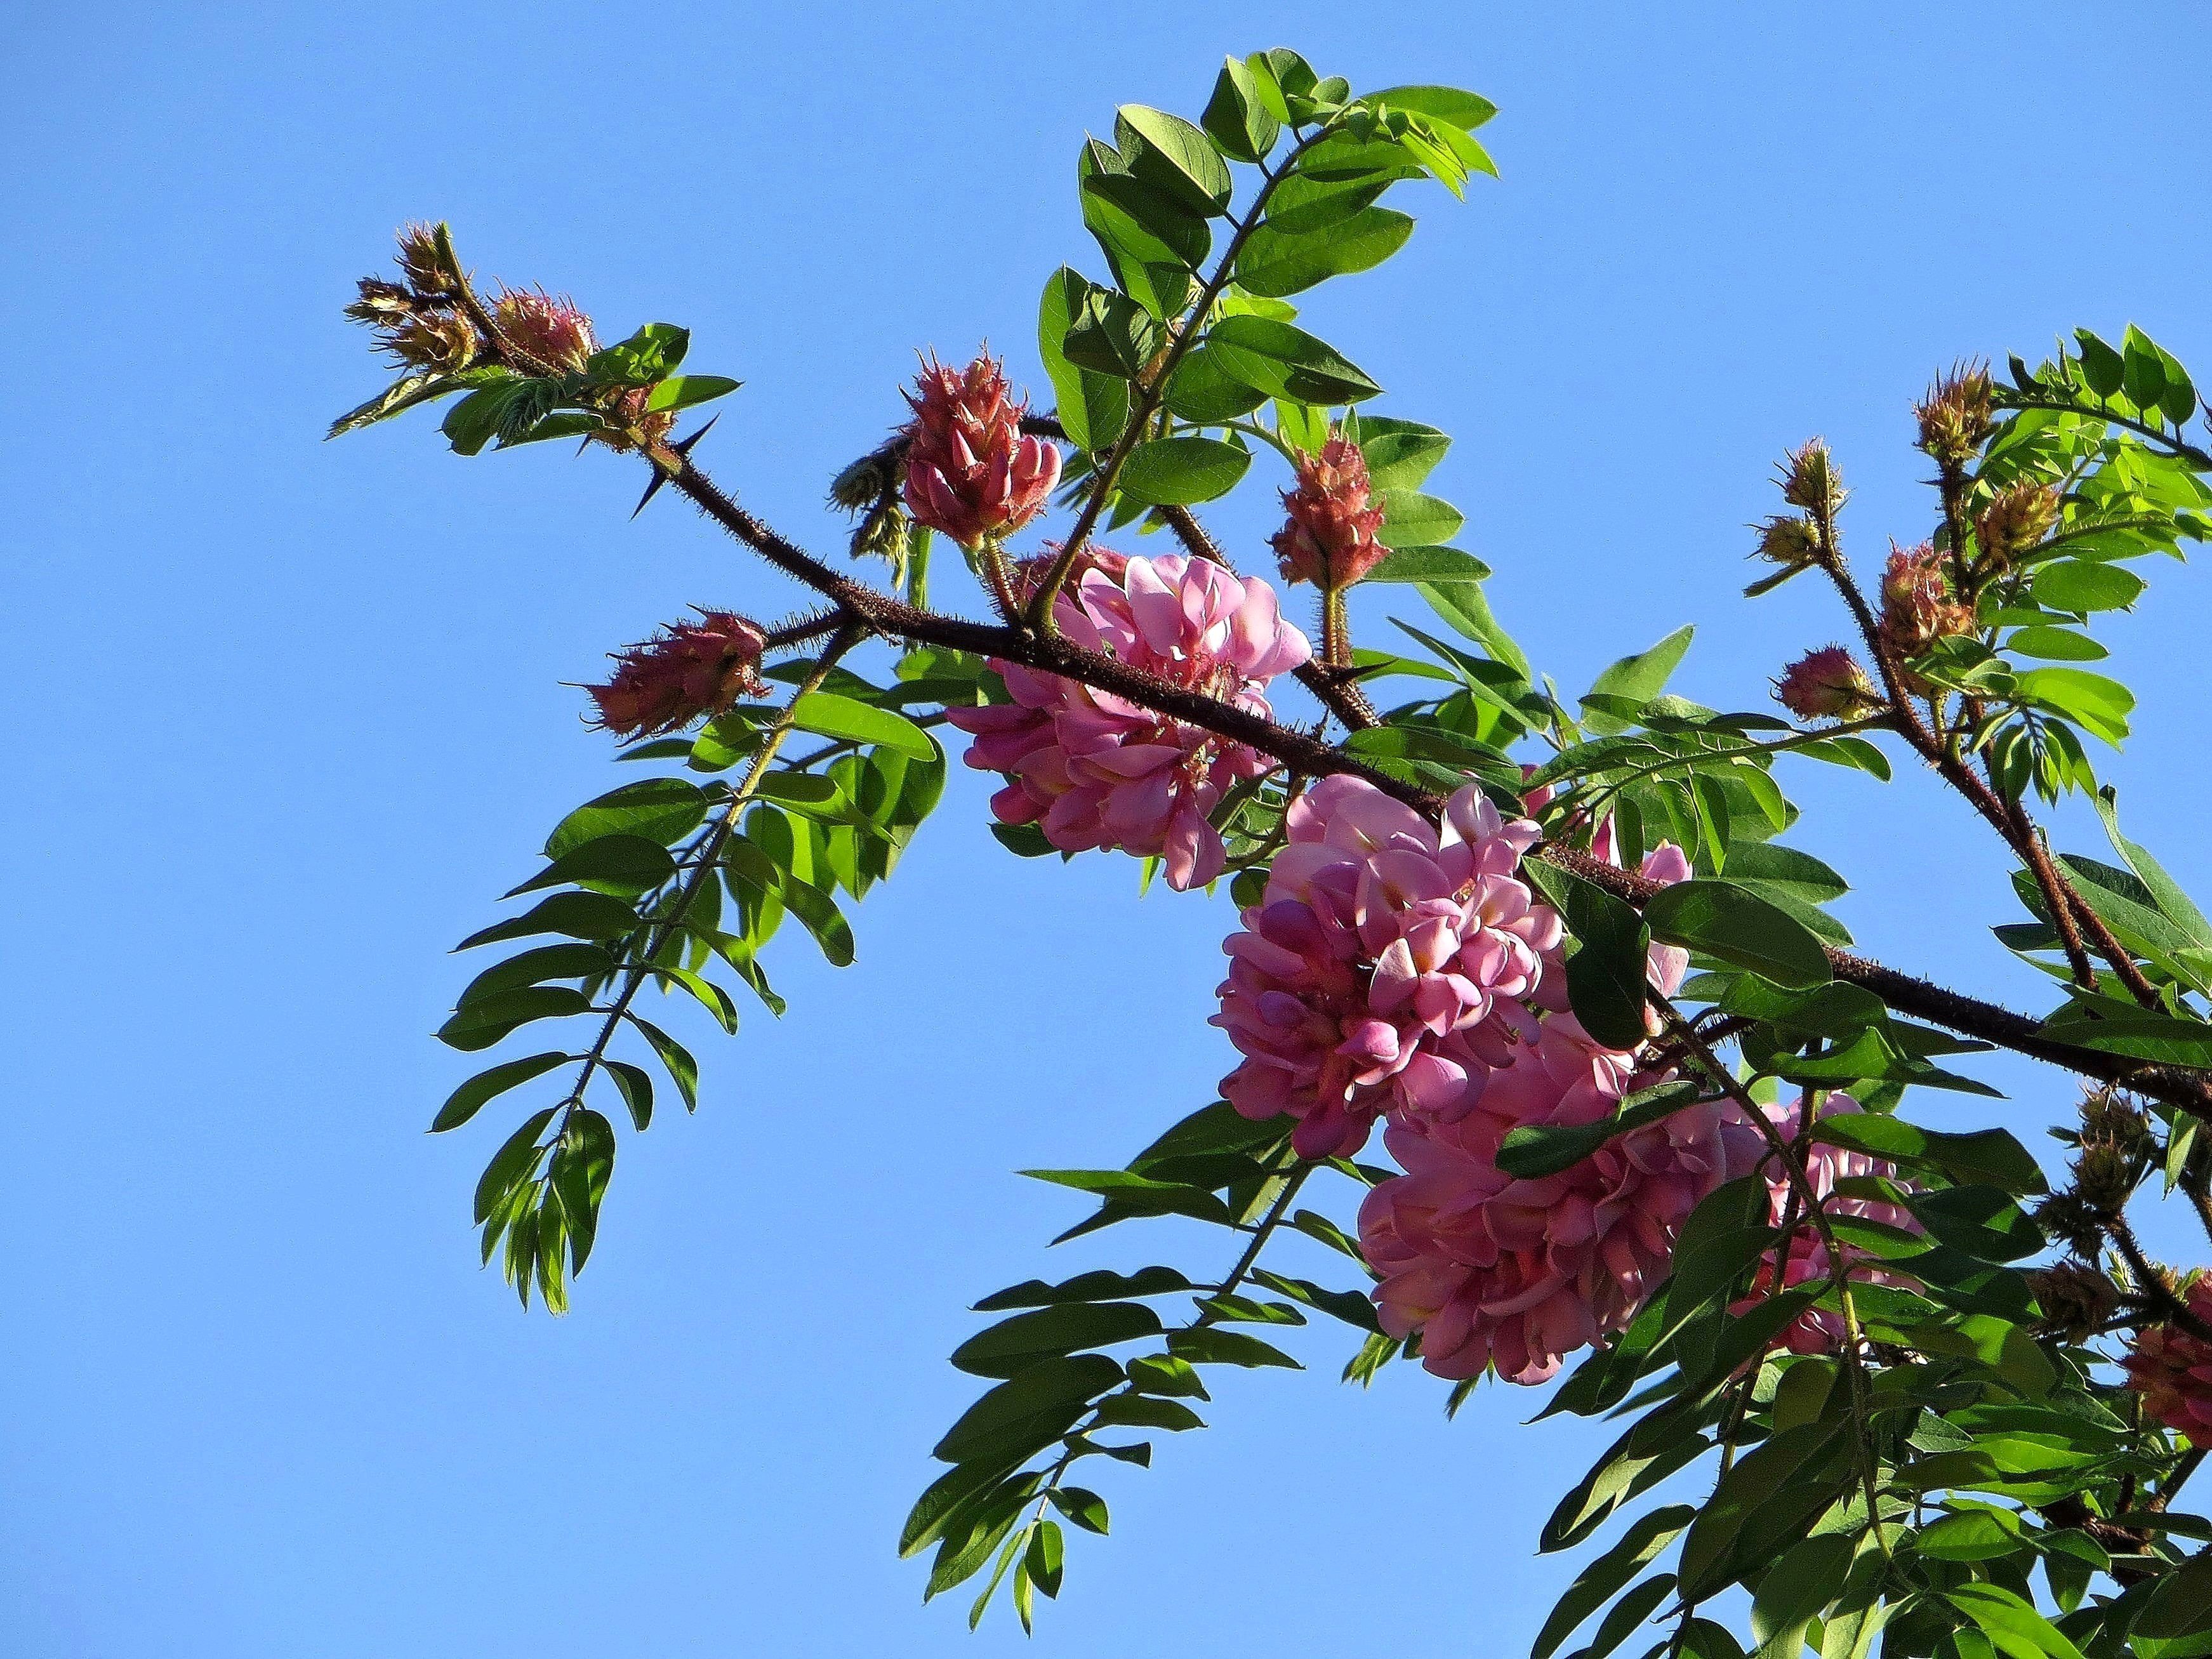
x,y
1809,479
2108,1161
1330,539
1825,685
1918,603
970,472
2077,1300
2017,517
1955,417
687,672
418,322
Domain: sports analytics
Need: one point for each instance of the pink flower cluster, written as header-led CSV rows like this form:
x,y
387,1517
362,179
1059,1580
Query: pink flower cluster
x,y
2172,1369
1807,1260
1509,1273
1386,968
970,472
1092,770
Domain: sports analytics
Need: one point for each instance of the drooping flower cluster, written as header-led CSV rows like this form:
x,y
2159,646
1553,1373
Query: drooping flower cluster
x,y
1807,1260
970,473
687,671
1824,684
1330,538
1093,771
1385,968
1497,1270
2172,1369
1917,605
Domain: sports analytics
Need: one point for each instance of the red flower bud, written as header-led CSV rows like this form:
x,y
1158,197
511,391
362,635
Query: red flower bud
x,y
1823,685
970,472
548,327
1917,605
687,670
1329,539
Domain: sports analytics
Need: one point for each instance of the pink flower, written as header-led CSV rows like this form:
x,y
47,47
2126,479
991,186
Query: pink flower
x,y
687,670
2172,1369
1386,967
1092,770
1329,539
969,471
1807,1260
1499,1272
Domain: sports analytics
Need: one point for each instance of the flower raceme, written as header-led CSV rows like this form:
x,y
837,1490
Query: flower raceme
x,y
1092,770
970,473
2172,1369
1386,966
1329,539
687,671
550,328
1824,684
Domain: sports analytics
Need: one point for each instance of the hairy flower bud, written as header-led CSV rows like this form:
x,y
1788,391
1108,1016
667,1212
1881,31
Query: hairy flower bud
x,y
2172,1369
1955,415
548,327
1917,605
687,670
2066,1217
864,482
425,268
970,473
1789,539
1809,478
2019,516
1824,684
1330,538
2075,1300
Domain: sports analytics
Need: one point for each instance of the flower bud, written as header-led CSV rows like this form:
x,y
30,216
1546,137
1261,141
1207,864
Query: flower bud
x,y
883,535
687,671
864,482
2075,1300
426,269
970,473
2073,1223
1809,478
549,328
1789,539
1824,684
1917,605
1330,538
2172,1369
2018,517
1955,415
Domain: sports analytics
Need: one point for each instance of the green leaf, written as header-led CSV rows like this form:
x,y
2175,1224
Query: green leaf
x,y
465,1102
1028,1406
1533,1150
1412,519
2010,1622
1209,1345
1096,1286
1084,1507
1464,609
486,1021
1599,1582
1286,361
579,916
2158,1038
1724,921
536,966
1442,565
1151,226
1798,1588
1638,678
830,715
683,391
1171,153
635,1084
2054,644
1042,1564
1202,391
1139,1411
664,810
1237,117
1991,1157
2093,701
1979,1533
651,354
2084,585
1178,472
2181,1605
1400,454
1275,263
583,1162
683,1070
1093,407
819,913
629,864
1463,110
511,1164
1606,983
1011,1345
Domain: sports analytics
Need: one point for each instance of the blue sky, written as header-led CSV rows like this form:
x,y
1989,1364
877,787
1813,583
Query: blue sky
x,y
310,722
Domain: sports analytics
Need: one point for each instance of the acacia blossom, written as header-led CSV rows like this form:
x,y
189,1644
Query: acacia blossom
x,y
1093,771
686,671
1819,1330
2172,1369
1386,967
1498,1271
1329,537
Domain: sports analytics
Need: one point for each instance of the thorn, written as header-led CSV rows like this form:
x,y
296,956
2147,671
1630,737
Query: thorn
x,y
682,449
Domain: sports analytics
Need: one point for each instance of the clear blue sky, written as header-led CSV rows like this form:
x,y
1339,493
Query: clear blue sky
x,y
293,716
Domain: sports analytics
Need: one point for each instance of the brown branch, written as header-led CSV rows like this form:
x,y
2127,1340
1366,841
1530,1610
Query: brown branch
x,y
1305,753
